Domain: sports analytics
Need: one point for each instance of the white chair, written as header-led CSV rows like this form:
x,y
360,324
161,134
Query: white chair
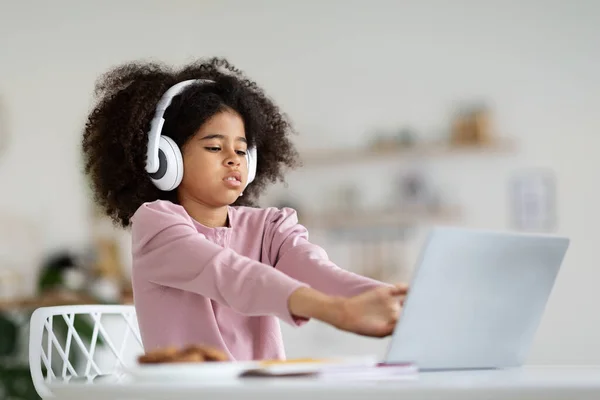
x,y
115,326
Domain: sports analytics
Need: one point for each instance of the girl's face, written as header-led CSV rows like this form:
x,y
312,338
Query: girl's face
x,y
215,169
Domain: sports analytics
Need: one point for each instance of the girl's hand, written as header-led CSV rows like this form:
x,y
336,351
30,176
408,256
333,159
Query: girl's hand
x,y
372,313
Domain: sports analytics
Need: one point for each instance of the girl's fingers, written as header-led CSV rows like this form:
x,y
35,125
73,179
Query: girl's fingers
x,y
399,289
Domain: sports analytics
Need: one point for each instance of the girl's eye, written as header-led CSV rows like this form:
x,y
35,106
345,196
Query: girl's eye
x,y
241,152
213,148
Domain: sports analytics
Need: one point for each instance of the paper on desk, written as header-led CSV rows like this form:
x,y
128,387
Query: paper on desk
x,y
336,370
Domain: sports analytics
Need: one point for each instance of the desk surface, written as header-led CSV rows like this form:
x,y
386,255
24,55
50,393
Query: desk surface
x,y
527,382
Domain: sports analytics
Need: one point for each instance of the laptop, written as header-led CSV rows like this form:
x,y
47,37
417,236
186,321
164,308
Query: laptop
x,y
476,299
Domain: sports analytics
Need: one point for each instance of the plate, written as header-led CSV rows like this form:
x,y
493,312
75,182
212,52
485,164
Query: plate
x,y
226,370
190,371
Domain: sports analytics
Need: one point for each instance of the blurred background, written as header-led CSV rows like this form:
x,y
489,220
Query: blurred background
x,y
410,114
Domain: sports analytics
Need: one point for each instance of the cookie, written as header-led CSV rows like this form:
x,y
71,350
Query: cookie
x,y
192,353
190,357
159,355
213,354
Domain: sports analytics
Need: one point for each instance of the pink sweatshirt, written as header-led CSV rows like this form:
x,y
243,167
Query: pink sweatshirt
x,y
226,287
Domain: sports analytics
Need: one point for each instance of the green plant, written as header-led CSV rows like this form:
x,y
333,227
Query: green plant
x,y
16,383
15,378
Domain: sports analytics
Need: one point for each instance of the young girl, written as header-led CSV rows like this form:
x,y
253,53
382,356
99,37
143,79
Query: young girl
x,y
181,156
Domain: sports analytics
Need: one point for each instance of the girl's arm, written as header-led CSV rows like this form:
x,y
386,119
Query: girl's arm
x,y
292,253
169,251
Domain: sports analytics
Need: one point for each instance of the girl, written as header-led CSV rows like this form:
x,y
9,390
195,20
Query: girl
x,y
181,156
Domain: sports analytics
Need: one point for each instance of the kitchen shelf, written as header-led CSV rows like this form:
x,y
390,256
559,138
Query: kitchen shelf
x,y
426,149
53,299
380,218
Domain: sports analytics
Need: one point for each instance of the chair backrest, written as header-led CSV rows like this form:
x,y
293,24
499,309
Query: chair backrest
x,y
82,341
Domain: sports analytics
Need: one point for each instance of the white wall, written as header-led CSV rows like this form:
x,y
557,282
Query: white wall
x,y
339,68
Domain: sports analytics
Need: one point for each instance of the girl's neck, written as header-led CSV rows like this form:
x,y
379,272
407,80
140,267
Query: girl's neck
x,y
212,217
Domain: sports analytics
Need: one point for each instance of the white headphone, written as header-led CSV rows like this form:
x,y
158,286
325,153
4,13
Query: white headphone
x,y
164,162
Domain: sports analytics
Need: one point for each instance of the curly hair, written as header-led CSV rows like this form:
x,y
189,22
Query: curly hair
x,y
115,137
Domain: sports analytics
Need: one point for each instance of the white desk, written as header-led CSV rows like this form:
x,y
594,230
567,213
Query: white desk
x,y
548,383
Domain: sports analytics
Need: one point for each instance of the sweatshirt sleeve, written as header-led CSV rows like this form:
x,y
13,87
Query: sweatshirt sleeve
x,y
292,253
169,251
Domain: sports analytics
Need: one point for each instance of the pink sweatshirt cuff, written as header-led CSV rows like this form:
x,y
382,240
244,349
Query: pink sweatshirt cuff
x,y
280,295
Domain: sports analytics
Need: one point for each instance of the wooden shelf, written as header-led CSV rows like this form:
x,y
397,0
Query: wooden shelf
x,y
382,218
51,299
428,149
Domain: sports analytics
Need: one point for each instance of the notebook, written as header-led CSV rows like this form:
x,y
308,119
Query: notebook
x,y
334,369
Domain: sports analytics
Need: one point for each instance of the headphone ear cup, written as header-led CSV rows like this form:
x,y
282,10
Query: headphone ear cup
x,y
170,169
251,159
